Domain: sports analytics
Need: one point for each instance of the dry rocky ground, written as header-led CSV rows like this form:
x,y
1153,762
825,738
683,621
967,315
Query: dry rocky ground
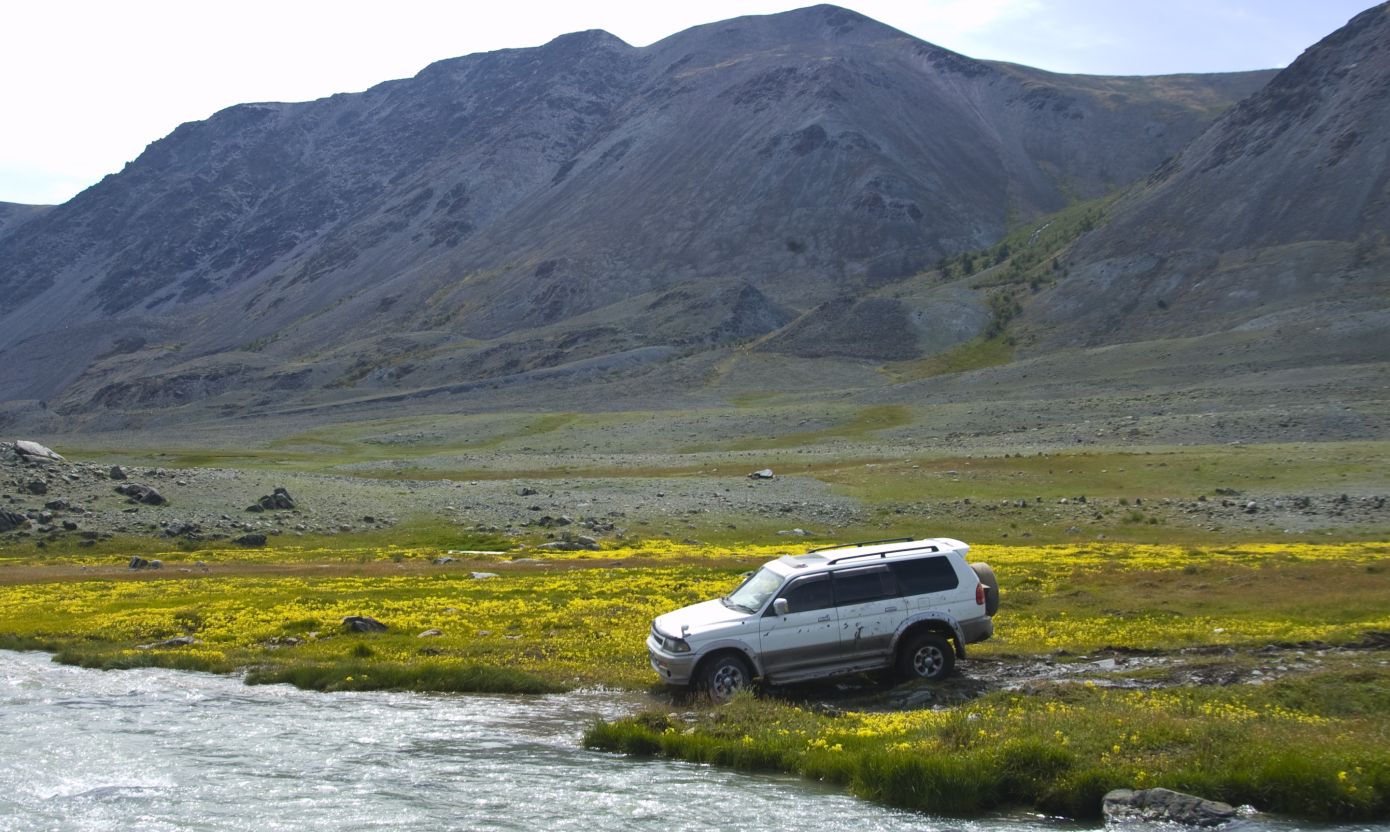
x,y
46,500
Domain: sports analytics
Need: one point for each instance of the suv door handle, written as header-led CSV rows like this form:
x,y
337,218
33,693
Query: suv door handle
x,y
890,609
823,618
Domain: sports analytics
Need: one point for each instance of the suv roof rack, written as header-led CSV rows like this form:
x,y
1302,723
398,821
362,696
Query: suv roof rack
x,y
862,543
932,548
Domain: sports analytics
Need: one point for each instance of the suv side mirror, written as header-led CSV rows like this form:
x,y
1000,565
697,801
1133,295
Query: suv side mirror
x,y
780,606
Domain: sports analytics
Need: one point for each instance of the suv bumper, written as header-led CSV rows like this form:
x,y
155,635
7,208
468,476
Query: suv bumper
x,y
673,668
977,629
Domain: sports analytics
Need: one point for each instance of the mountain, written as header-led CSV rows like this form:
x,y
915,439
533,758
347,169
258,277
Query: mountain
x,y
13,215
1276,219
581,207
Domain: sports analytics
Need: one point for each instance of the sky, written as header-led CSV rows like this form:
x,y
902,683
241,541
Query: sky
x,y
87,84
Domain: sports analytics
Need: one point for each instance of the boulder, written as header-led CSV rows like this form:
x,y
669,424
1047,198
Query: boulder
x,y
363,624
431,634
279,499
33,450
36,487
146,494
1165,805
764,474
568,546
116,473
253,539
10,520
137,562
482,576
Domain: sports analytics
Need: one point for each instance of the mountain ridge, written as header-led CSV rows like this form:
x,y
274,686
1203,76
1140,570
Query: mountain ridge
x,y
522,209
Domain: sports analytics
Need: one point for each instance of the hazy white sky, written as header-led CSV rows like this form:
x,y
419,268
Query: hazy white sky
x,y
86,84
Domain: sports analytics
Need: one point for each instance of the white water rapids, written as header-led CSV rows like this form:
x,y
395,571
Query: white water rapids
x,y
167,750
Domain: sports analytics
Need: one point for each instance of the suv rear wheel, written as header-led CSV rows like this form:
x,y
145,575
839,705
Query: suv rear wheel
x,y
723,676
926,656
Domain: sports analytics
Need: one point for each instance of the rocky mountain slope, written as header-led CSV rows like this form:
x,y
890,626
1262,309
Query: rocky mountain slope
x,y
1274,221
575,210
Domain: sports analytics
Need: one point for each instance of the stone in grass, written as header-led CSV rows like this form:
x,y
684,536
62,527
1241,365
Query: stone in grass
x,y
763,474
142,494
137,562
482,576
363,624
10,520
1165,805
176,641
253,539
431,634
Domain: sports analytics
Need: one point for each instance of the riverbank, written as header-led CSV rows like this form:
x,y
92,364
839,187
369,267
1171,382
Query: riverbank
x,y
1250,673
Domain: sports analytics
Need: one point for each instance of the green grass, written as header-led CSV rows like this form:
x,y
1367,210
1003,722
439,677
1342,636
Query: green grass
x,y
975,354
432,535
1176,473
1283,748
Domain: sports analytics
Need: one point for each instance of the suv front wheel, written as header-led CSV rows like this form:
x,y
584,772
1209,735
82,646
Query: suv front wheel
x,y
926,656
723,676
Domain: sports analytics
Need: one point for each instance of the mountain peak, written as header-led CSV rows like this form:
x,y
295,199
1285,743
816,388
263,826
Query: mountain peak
x,y
587,40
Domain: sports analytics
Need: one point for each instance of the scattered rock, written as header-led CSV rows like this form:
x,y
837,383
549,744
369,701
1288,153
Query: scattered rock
x,y
764,474
252,539
363,624
1165,805
440,561
36,487
794,532
526,492
116,473
33,450
431,634
482,576
137,562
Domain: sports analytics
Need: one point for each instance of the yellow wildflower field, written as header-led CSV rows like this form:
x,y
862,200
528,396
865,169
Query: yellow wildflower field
x,y
582,617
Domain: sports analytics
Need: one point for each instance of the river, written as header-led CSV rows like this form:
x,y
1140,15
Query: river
x,y
168,750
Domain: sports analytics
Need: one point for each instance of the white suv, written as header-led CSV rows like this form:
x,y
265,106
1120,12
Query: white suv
x,y
909,604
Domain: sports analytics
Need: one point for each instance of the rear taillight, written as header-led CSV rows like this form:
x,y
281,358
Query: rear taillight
x,y
980,594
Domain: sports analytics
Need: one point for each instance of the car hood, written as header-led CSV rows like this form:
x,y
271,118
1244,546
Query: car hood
x,y
699,618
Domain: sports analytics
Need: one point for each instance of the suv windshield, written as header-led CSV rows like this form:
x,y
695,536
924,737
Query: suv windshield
x,y
754,592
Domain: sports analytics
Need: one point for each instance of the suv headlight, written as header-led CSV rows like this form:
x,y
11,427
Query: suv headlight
x,y
676,645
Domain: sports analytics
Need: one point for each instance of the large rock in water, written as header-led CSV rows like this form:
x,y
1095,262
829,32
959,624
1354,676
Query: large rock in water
x,y
1165,805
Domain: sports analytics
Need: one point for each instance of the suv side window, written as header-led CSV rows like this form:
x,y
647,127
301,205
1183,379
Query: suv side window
x,y
810,593
860,586
924,575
